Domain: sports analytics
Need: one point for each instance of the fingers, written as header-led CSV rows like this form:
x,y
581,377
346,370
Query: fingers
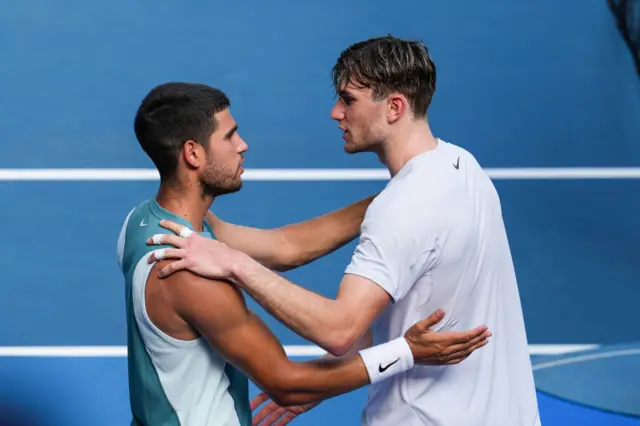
x,y
173,267
456,349
171,226
273,418
167,239
286,419
466,338
463,354
463,336
178,240
271,413
430,321
258,400
163,254
266,412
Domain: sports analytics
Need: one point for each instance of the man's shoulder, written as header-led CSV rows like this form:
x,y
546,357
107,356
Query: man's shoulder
x,y
395,217
143,222
402,201
405,211
194,297
178,303
181,284
139,225
457,153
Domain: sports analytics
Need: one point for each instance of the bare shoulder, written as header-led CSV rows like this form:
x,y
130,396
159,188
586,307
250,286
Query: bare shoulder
x,y
184,300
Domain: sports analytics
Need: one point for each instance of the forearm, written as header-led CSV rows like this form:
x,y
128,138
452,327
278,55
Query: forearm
x,y
312,316
294,245
349,374
323,378
324,234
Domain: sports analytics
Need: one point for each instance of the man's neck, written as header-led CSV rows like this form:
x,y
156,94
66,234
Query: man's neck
x,y
186,202
407,143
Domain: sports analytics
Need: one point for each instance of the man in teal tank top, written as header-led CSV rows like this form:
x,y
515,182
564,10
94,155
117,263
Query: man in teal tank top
x,y
192,341
150,404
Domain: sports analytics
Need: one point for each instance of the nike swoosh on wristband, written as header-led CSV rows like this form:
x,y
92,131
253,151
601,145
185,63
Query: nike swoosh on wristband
x,y
383,369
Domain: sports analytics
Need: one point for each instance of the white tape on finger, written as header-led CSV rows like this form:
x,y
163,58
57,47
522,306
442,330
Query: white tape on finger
x,y
159,254
157,239
185,232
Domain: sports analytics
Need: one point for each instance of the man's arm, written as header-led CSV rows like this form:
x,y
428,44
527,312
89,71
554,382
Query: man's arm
x,y
297,244
275,412
333,324
217,310
389,259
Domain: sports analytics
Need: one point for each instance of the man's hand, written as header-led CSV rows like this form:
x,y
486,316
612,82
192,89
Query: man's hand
x,y
212,259
438,348
273,414
202,256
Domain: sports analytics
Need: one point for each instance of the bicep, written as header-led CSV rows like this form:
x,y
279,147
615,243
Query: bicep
x,y
362,300
218,311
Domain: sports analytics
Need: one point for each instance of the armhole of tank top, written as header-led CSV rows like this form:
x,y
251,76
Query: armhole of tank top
x,y
122,239
146,269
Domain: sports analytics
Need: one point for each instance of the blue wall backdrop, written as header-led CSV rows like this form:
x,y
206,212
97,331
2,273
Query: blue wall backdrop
x,y
520,84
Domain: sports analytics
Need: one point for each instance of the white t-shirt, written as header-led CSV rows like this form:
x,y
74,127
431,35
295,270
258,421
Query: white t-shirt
x,y
435,238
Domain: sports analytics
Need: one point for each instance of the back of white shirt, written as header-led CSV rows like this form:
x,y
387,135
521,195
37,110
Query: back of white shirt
x,y
435,238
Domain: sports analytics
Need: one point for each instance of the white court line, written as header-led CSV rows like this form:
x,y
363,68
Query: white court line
x,y
313,174
559,349
584,358
291,350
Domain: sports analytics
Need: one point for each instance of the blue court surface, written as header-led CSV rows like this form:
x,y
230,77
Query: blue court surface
x,y
543,93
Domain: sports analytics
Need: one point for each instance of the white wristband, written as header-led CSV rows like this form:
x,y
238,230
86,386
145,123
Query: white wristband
x,y
388,359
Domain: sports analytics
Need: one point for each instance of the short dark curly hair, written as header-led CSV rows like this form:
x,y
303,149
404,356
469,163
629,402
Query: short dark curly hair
x,y
173,113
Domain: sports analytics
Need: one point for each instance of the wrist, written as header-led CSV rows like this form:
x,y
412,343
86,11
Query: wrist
x,y
387,359
238,267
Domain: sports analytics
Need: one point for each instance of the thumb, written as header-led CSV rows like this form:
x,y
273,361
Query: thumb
x,y
430,321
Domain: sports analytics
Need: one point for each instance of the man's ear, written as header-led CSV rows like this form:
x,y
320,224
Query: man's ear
x,y
193,154
396,107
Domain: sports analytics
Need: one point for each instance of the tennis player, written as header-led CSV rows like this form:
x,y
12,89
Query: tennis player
x,y
433,238
192,342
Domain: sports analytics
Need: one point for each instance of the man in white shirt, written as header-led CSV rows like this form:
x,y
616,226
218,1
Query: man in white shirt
x,y
434,237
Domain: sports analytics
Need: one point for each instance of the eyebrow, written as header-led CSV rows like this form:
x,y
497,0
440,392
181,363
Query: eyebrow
x,y
346,94
231,132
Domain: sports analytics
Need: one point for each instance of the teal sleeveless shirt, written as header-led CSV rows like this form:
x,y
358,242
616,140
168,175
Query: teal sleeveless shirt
x,y
150,405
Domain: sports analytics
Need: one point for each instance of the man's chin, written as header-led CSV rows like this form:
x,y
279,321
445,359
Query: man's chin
x,y
234,188
353,149
222,190
350,149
